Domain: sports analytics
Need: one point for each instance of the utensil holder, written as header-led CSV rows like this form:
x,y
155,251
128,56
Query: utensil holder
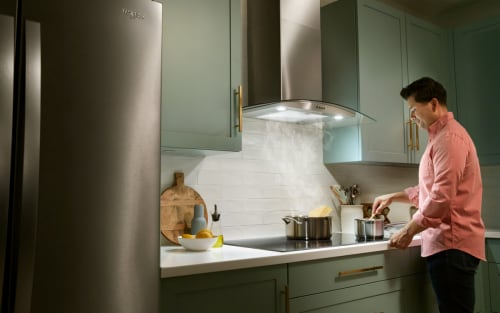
x,y
347,215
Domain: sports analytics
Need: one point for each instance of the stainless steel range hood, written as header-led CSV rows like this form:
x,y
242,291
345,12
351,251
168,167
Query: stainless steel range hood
x,y
284,65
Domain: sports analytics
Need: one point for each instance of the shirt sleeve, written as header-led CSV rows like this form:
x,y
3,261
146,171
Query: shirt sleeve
x,y
413,194
448,163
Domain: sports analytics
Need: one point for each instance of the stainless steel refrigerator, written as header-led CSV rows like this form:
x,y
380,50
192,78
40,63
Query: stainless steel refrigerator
x,y
79,156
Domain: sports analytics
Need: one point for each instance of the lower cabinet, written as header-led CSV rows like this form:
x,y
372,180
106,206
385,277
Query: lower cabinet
x,y
494,275
255,290
390,281
493,256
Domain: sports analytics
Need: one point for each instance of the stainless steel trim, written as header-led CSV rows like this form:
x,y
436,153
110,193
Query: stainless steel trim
x,y
6,123
31,156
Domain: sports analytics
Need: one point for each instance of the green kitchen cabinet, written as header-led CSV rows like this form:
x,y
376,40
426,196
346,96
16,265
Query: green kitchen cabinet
x,y
493,257
482,289
477,47
494,278
386,281
201,75
435,62
370,51
260,289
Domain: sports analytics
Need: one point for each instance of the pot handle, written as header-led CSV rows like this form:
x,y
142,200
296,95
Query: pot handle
x,y
288,219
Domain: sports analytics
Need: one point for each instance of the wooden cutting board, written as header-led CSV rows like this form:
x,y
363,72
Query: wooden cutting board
x,y
177,209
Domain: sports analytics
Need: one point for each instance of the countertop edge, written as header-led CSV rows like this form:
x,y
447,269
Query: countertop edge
x,y
232,257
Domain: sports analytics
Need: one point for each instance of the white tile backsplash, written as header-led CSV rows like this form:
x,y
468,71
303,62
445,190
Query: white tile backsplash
x,y
280,172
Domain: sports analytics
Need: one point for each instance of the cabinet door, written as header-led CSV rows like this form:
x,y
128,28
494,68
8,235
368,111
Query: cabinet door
x,y
382,73
494,277
428,55
244,291
477,48
201,68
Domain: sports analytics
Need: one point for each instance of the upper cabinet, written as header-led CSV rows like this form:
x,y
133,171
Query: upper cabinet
x,y
371,51
201,75
477,48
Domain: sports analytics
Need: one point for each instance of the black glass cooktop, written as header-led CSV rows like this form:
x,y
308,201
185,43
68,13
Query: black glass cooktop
x,y
282,244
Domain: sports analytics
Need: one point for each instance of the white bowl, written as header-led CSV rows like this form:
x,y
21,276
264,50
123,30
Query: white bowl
x,y
197,244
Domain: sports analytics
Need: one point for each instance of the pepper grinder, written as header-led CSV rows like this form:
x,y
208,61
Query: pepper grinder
x,y
198,222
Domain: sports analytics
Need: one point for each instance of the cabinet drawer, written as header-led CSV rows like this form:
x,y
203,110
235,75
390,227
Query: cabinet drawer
x,y
493,250
385,296
311,277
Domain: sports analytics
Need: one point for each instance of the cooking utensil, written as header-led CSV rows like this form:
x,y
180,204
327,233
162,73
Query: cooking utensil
x,y
308,228
336,192
369,228
367,213
353,192
177,209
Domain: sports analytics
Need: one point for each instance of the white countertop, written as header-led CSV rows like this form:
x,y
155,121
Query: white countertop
x,y
176,261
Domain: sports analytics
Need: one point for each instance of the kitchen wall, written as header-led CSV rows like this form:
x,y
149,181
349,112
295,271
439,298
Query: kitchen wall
x,y
280,172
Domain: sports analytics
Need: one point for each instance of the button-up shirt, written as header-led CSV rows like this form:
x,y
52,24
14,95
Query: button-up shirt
x,y
449,193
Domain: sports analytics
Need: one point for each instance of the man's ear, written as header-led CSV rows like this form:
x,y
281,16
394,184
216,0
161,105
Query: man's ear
x,y
435,104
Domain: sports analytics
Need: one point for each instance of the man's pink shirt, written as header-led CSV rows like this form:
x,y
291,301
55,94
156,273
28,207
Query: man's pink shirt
x,y
449,193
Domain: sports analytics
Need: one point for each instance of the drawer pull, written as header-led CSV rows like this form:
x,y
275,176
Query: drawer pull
x,y
360,270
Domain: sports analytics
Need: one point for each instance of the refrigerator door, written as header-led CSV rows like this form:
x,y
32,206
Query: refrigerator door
x,y
6,116
97,240
26,206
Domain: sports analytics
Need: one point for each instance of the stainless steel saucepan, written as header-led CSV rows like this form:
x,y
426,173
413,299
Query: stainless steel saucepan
x,y
308,228
369,228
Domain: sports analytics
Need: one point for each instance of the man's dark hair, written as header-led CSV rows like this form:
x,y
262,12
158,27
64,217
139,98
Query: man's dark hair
x,y
424,89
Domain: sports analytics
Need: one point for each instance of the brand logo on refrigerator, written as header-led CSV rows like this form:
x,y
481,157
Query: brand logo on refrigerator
x,y
132,14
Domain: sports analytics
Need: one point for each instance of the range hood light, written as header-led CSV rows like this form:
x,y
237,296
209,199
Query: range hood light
x,y
338,117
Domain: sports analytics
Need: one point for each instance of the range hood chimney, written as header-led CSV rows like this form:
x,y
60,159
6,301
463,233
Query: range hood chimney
x,y
284,65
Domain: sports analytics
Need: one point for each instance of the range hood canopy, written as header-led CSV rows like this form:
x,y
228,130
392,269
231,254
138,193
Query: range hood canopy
x,y
284,65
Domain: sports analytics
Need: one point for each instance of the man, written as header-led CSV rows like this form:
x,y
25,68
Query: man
x,y
448,195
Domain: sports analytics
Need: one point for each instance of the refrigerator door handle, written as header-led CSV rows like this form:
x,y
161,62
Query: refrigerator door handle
x,y
7,43
31,156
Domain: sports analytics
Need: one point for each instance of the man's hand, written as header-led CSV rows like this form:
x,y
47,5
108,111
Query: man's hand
x,y
403,238
384,201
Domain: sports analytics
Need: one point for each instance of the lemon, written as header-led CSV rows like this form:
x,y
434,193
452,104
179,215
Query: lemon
x,y
189,236
204,233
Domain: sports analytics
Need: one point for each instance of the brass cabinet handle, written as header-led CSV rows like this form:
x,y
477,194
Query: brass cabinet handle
x,y
410,129
287,299
239,93
417,143
360,270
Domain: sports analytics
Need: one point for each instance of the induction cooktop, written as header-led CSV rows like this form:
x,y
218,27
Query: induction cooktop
x,y
283,244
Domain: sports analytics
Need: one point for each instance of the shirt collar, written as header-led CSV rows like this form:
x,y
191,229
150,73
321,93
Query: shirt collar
x,y
440,123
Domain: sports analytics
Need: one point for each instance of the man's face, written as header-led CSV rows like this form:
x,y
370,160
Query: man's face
x,y
423,113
